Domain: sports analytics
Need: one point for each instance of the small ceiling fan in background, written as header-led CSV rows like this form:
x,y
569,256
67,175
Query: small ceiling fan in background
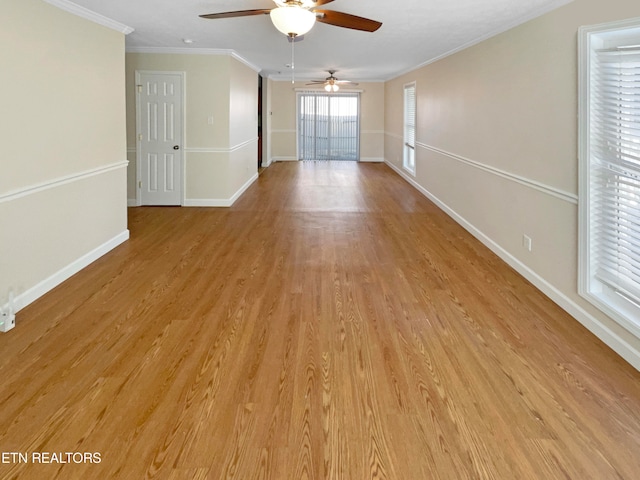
x,y
297,17
331,83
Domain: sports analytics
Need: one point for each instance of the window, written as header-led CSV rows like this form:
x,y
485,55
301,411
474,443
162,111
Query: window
x,y
610,170
409,136
328,126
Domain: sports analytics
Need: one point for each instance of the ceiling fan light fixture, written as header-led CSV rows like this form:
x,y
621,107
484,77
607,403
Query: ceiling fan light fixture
x,y
301,3
292,20
331,87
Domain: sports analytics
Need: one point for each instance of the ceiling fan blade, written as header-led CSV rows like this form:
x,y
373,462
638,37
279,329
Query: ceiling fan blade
x,y
345,82
239,13
318,3
346,20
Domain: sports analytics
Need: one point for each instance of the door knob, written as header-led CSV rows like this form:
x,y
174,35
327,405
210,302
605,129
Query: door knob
x,y
176,147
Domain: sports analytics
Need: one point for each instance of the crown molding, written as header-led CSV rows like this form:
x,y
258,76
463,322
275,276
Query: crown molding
x,y
246,62
90,15
307,78
194,51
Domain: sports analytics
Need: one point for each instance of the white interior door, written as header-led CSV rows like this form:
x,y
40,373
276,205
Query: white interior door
x,y
160,138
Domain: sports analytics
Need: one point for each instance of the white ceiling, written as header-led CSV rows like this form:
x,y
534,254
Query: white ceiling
x,y
414,32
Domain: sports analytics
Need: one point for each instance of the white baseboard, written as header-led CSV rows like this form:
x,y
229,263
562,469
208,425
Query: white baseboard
x,y
29,296
132,202
207,202
284,159
220,202
266,162
615,342
244,188
362,159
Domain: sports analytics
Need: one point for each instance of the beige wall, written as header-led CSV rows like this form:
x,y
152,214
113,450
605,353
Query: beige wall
x,y
219,158
283,120
497,147
63,165
243,126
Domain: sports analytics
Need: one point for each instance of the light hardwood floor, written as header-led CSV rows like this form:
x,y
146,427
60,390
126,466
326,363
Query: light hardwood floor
x,y
332,324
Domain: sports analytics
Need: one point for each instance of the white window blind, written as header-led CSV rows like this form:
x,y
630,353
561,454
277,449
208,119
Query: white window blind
x,y
615,177
610,178
409,148
328,126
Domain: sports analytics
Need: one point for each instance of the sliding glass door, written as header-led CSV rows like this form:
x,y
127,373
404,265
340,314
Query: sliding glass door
x,y
328,126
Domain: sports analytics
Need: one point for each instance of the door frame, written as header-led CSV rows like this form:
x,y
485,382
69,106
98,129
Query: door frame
x,y
183,78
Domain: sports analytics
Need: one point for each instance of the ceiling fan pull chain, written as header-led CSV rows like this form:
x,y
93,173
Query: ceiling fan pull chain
x,y
293,58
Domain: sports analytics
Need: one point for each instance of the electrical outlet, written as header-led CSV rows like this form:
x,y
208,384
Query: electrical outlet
x,y
526,242
8,317
7,321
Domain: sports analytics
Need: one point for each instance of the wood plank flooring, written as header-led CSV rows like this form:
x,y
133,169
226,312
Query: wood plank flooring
x,y
332,324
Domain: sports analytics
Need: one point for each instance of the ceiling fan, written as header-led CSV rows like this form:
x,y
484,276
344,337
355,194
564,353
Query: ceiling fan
x,y
331,83
297,17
